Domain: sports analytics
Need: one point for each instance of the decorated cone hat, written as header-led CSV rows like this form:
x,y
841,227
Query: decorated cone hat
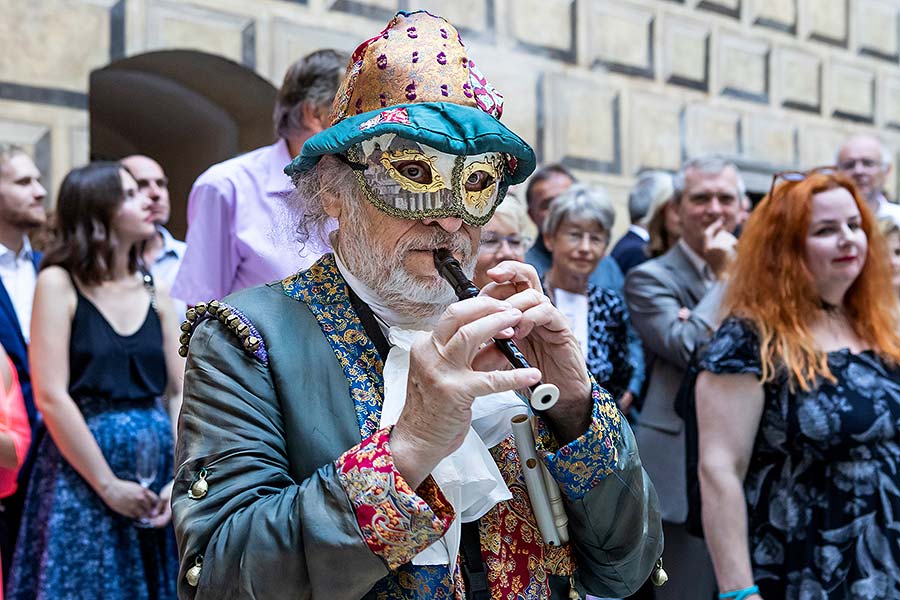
x,y
416,80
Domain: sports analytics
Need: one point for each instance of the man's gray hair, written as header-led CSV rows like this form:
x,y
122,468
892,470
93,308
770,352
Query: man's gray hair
x,y
708,165
580,203
652,189
312,80
330,177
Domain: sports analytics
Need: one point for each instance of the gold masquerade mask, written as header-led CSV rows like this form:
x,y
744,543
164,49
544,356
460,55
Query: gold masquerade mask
x,y
410,180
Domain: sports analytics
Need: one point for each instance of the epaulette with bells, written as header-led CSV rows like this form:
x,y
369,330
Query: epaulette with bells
x,y
229,316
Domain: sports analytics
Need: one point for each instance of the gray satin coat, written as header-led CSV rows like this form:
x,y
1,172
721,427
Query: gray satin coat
x,y
276,523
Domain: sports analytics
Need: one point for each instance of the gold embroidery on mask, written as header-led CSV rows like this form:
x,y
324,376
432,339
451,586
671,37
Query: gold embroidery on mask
x,y
390,159
479,201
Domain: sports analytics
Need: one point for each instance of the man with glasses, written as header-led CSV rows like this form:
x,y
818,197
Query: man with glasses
x,y
866,160
673,301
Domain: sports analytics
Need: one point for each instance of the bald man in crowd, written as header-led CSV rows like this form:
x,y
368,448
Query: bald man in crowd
x,y
162,253
865,159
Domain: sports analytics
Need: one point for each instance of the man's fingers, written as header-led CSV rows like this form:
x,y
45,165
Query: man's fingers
x,y
513,271
714,228
464,344
538,312
460,313
493,382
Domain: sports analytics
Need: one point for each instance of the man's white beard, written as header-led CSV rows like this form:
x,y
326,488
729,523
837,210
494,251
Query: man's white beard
x,y
387,277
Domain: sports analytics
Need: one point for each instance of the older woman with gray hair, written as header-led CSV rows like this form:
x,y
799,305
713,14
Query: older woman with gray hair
x,y
576,230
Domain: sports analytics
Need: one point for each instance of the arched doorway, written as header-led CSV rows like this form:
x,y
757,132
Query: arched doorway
x,y
186,109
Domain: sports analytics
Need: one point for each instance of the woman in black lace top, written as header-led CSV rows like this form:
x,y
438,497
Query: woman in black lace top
x,y
799,404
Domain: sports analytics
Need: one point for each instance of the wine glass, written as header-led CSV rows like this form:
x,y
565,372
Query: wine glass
x,y
147,460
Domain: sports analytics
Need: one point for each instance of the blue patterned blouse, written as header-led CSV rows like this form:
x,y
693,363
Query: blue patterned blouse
x,y
823,484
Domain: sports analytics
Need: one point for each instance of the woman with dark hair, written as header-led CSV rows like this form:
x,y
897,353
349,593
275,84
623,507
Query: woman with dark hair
x,y
103,354
664,229
798,404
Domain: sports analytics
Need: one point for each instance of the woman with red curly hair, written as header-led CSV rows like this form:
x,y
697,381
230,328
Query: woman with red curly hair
x,y
798,404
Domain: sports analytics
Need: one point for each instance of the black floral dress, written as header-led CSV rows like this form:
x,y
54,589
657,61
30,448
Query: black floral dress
x,y
822,487
608,358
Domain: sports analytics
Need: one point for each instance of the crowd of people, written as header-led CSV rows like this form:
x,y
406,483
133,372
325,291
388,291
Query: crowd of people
x,y
332,429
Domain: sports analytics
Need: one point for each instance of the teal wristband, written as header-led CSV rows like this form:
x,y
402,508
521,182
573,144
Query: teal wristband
x,y
740,594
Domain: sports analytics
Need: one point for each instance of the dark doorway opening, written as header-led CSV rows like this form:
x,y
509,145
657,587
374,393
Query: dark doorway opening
x,y
186,109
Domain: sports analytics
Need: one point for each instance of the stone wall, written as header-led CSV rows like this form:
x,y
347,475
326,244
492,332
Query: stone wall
x,y
608,87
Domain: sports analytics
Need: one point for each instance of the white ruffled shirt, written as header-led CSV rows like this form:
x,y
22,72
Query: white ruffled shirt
x,y
469,477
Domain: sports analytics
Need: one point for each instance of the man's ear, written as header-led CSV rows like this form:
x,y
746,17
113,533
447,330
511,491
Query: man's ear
x,y
311,118
332,204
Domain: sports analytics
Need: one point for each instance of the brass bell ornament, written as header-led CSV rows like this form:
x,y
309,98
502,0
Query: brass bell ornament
x,y
199,488
193,574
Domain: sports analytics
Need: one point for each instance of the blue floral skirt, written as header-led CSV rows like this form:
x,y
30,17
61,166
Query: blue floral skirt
x,y
71,545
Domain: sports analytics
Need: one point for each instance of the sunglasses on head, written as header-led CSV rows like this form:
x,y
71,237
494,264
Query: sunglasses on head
x,y
797,176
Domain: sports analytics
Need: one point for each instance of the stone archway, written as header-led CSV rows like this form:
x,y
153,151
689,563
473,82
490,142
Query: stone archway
x,y
186,109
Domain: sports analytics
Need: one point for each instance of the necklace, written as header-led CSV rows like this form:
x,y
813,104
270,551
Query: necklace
x,y
830,309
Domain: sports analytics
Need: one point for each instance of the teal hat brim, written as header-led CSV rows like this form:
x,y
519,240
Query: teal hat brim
x,y
450,128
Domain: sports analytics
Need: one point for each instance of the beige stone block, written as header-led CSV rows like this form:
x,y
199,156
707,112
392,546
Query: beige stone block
x,y
378,10
464,14
654,134
52,44
798,76
364,6
545,25
582,123
732,8
827,20
685,52
513,74
775,14
817,145
743,67
79,146
22,133
177,25
852,92
291,41
770,141
620,38
43,131
877,27
890,102
711,130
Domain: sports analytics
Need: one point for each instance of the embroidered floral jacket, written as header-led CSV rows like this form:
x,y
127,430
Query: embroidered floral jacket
x,y
301,496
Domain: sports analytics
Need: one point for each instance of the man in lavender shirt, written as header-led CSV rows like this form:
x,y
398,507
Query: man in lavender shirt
x,y
238,234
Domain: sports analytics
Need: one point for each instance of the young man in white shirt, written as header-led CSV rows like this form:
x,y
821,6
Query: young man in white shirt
x,y
21,212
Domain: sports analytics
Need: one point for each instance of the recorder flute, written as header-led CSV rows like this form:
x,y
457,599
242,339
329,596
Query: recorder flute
x,y
543,395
